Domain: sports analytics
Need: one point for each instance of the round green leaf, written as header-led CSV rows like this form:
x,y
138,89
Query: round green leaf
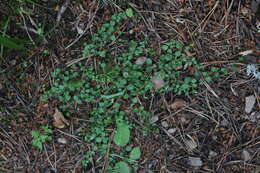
x,y
121,138
129,12
135,153
122,167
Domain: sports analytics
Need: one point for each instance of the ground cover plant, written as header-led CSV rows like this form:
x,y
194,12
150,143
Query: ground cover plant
x,y
114,77
124,87
41,136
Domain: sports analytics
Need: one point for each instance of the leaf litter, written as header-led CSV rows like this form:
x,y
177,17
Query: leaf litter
x,y
59,120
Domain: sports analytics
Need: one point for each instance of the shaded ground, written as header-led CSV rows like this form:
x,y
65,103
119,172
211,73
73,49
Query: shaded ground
x,y
213,127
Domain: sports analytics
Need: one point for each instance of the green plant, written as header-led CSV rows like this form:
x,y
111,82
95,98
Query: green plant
x,y
122,72
122,136
41,136
128,163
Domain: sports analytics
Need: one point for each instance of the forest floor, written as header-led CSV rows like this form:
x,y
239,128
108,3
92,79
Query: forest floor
x,y
215,129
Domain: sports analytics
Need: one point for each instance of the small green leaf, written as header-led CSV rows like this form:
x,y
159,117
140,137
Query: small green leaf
x,y
35,134
76,84
165,47
135,153
122,167
121,138
37,144
129,12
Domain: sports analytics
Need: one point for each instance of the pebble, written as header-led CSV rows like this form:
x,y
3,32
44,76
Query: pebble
x,y
165,124
171,131
62,140
212,154
195,161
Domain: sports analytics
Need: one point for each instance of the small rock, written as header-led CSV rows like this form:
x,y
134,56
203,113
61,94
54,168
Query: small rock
x,y
171,131
212,154
195,161
179,20
62,140
13,62
224,122
183,120
165,124
157,83
246,155
140,61
131,31
250,102
214,137
191,144
254,116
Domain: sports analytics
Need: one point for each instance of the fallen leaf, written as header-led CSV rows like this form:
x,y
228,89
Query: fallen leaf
x,y
59,119
250,102
178,103
157,83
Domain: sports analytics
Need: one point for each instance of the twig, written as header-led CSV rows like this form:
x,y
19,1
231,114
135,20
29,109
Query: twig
x,y
85,30
107,154
72,136
62,10
77,60
48,158
205,20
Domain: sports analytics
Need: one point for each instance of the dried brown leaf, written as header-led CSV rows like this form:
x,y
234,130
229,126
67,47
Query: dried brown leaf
x,y
59,120
178,103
